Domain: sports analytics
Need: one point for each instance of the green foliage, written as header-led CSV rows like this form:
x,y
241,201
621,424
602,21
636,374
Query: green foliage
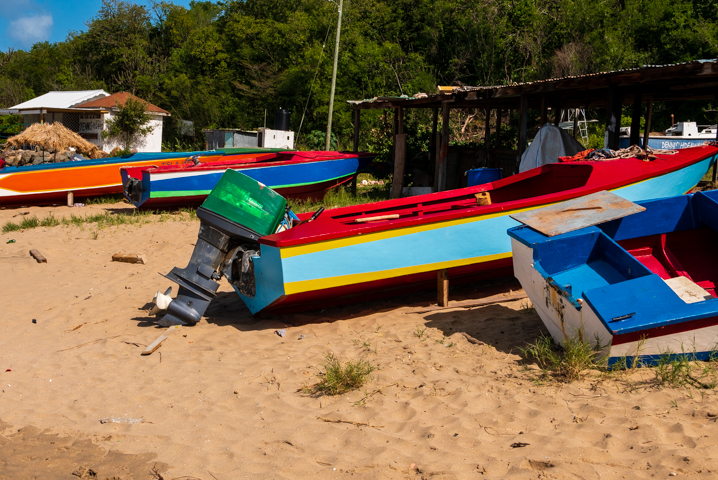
x,y
338,378
128,123
223,64
317,140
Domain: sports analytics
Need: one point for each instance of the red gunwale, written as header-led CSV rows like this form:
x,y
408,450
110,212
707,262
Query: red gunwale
x,y
247,161
602,177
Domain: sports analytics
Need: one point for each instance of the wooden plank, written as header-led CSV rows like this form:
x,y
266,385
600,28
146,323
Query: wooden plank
x,y
38,256
129,258
156,344
70,199
636,118
578,213
397,182
442,288
377,217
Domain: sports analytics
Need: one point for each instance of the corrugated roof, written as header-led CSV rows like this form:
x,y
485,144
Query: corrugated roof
x,y
60,99
568,83
121,98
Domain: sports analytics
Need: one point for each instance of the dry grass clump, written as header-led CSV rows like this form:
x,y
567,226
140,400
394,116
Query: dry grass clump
x,y
338,378
53,137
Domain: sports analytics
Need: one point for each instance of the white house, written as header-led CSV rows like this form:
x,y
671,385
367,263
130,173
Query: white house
x,y
85,112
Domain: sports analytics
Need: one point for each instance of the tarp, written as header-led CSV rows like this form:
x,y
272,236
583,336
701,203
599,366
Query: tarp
x,y
550,143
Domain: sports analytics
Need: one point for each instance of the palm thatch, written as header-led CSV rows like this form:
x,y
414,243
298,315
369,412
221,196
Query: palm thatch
x,y
54,137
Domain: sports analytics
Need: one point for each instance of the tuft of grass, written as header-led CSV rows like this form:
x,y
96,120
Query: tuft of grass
x,y
567,362
338,378
420,333
102,220
341,197
10,227
106,200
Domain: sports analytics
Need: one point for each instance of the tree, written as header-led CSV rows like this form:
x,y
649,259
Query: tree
x,y
128,123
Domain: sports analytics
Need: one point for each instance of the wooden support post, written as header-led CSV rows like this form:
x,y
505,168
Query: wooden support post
x,y
715,165
433,139
636,119
544,112
357,123
556,111
575,122
70,199
613,119
487,135
523,127
442,288
499,114
649,114
440,177
397,183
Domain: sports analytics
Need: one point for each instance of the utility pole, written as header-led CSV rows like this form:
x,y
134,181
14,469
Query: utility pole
x,y
334,78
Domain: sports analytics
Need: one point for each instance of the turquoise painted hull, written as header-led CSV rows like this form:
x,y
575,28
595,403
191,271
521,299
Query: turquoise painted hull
x,y
470,244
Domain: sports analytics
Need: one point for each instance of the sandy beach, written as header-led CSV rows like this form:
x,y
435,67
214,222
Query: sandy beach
x,y
452,395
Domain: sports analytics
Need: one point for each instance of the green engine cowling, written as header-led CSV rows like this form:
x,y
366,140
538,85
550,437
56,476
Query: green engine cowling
x,y
237,212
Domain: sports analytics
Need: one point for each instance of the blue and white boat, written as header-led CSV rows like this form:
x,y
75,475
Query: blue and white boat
x,y
639,287
680,135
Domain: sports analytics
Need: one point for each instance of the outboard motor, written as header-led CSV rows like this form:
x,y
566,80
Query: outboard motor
x,y
237,212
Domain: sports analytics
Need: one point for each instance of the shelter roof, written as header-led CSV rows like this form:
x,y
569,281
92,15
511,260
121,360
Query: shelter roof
x,y
697,79
121,98
60,100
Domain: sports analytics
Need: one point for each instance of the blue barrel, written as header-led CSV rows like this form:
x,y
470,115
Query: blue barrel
x,y
479,176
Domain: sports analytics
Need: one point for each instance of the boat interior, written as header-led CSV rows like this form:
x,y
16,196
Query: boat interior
x,y
547,180
633,263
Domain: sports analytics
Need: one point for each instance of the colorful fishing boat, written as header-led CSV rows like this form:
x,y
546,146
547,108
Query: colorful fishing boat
x,y
299,175
641,287
363,252
50,183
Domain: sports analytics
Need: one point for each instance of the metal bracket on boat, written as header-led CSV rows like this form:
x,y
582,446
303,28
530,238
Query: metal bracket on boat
x,y
239,269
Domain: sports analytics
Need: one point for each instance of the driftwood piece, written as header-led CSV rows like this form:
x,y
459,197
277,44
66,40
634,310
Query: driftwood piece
x,y
483,198
38,256
129,258
156,344
378,217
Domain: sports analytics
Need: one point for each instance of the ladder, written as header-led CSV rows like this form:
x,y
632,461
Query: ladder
x,y
582,124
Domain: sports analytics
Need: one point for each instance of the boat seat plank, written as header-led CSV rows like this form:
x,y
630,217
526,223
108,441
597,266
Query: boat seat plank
x,y
644,302
688,290
579,213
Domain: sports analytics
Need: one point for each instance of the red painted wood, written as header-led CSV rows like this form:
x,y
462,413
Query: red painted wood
x,y
536,187
666,330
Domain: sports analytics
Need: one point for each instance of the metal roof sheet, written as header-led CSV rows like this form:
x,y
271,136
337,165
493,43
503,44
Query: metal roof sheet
x,y
60,99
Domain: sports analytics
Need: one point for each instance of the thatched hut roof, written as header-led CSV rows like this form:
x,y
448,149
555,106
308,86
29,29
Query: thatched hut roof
x,y
53,137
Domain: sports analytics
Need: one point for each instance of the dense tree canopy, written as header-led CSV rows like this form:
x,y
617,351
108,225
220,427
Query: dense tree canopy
x,y
223,64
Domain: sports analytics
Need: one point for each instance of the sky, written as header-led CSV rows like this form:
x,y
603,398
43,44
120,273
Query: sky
x,y
26,22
